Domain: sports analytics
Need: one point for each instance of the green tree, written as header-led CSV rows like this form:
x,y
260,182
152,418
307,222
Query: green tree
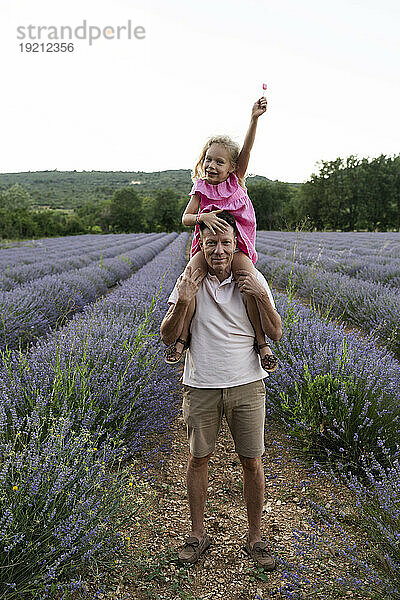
x,y
126,211
168,210
269,200
15,197
353,194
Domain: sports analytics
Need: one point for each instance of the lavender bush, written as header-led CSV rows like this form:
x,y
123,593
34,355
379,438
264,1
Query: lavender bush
x,y
336,391
372,567
60,507
337,394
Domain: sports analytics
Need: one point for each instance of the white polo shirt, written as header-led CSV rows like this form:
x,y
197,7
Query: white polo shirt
x,y
221,353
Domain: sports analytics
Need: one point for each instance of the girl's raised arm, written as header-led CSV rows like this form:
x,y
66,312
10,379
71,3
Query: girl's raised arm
x,y
259,108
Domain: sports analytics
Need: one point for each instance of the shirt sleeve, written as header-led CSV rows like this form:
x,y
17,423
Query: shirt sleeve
x,y
173,297
194,189
264,282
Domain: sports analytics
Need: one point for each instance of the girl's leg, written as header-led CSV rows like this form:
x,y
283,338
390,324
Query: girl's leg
x,y
196,262
242,261
186,325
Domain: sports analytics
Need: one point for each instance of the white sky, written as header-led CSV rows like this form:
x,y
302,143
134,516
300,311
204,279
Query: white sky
x,y
332,70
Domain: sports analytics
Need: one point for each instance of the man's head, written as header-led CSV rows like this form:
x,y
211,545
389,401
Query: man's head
x,y
218,248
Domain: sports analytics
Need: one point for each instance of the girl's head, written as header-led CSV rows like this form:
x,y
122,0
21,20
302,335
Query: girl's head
x,y
217,160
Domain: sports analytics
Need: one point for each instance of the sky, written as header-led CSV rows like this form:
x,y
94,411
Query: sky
x,y
195,69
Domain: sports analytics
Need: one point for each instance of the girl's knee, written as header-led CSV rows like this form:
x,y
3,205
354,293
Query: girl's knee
x,y
198,262
242,262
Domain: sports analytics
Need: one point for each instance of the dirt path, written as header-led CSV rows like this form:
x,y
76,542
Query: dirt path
x,y
225,571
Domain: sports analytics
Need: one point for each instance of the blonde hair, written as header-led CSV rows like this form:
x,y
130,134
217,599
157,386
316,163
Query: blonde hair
x,y
230,146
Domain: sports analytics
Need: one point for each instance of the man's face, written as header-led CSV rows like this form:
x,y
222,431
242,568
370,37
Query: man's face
x,y
218,249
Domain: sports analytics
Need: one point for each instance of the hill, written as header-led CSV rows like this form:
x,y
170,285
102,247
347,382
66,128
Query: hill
x,y
71,189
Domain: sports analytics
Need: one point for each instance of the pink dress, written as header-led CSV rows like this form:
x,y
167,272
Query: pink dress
x,y
230,196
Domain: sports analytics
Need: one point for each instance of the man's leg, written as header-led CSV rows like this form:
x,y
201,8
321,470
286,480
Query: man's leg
x,y
244,408
197,482
245,412
202,416
253,492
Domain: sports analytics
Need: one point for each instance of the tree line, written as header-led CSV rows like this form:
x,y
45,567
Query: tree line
x,y
353,194
346,194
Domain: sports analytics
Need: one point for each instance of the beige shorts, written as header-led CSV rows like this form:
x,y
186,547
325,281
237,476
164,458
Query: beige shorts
x,y
244,410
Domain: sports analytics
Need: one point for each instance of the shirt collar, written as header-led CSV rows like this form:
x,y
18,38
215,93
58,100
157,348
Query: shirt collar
x,y
225,281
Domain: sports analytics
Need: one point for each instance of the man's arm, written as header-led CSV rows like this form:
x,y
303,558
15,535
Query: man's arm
x,y
187,286
270,319
172,324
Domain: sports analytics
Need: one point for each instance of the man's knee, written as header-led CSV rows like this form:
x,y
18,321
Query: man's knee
x,y
250,464
198,463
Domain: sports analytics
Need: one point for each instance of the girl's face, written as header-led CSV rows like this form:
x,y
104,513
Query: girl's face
x,y
217,164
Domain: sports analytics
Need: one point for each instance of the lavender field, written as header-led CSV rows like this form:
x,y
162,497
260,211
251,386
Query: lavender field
x,y
337,391
76,404
353,277
36,301
84,391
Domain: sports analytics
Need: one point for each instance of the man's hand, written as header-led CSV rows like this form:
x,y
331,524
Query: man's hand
x,y
188,284
249,284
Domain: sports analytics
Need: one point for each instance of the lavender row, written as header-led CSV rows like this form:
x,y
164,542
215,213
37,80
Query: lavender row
x,y
64,260
367,268
354,243
37,250
373,307
83,397
337,395
27,312
99,343
355,381
330,252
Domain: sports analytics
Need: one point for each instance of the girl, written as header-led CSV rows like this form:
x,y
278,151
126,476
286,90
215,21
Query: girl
x,y
219,185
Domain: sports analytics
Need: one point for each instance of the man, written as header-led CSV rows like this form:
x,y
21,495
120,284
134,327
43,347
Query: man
x,y
223,375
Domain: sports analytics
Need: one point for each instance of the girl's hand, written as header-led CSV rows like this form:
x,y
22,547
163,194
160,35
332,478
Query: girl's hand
x,y
213,222
259,108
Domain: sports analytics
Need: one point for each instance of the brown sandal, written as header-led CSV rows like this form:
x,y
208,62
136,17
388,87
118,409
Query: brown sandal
x,y
269,362
171,355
